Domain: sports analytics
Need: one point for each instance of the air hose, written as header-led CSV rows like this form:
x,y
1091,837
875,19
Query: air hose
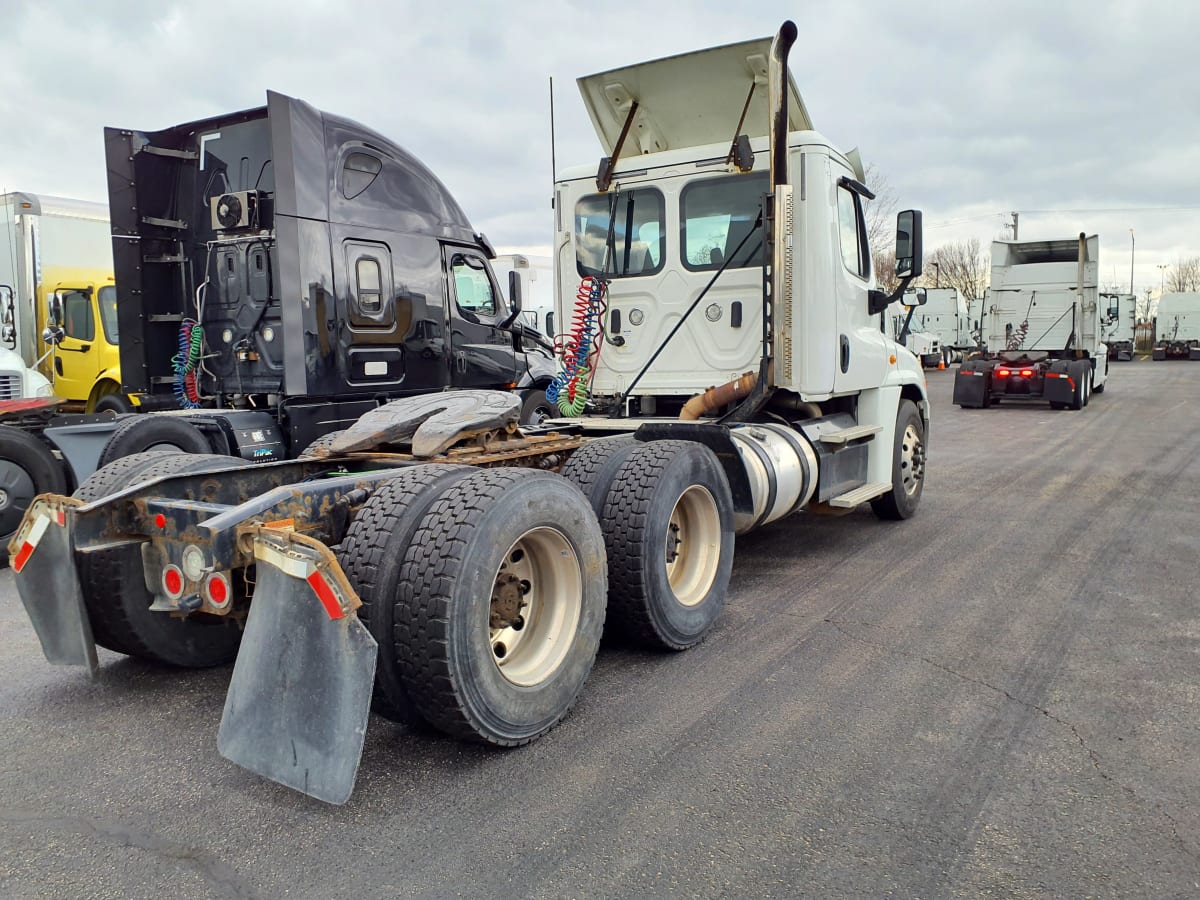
x,y
569,389
186,364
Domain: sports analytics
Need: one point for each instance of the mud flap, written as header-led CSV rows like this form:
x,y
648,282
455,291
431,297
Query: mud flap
x,y
44,569
297,707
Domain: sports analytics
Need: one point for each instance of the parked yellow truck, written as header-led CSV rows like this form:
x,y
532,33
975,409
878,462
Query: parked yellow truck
x,y
58,304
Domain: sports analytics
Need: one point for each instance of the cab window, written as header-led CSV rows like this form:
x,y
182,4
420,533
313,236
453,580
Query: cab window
x,y
716,216
853,234
620,235
472,286
77,315
108,313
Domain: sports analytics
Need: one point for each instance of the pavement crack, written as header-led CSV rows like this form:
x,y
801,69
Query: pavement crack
x,y
844,628
216,872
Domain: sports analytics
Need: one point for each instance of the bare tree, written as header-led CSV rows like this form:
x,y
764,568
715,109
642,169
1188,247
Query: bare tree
x,y
1184,276
880,212
962,265
883,263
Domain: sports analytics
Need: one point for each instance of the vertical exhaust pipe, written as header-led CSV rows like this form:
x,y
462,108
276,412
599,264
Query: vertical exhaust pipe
x,y
777,81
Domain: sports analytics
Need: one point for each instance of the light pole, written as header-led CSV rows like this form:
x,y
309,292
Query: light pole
x,y
1131,245
1162,274
937,274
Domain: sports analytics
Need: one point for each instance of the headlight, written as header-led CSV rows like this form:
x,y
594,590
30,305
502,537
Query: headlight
x,y
46,390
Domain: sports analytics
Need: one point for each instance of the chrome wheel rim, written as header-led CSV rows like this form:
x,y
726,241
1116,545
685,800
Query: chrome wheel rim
x,y
536,605
912,460
693,545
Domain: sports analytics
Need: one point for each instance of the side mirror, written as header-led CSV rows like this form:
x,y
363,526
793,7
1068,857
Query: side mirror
x,y
52,335
54,309
514,299
550,324
1114,311
922,297
908,244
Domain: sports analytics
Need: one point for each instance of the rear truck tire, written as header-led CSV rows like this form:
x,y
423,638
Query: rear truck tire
x,y
151,432
372,556
115,403
668,526
114,587
593,466
501,605
908,466
1079,399
322,442
27,468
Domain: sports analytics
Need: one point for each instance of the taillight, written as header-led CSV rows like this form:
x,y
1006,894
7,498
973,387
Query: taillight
x,y
172,582
1002,373
1027,373
218,590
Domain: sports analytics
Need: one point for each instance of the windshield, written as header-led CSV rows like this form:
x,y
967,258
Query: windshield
x,y
638,234
108,312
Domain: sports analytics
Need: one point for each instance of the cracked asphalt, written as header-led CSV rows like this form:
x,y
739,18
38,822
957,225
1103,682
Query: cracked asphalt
x,y
997,698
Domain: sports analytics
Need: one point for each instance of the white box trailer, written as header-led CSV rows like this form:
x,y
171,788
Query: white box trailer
x,y
1043,324
1177,327
945,315
537,287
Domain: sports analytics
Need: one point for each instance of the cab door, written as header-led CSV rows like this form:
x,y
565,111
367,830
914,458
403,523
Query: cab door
x,y
77,359
481,353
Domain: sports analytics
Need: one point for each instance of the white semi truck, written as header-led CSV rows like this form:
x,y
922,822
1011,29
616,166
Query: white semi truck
x,y
945,316
536,274
1119,332
725,369
1043,324
1177,327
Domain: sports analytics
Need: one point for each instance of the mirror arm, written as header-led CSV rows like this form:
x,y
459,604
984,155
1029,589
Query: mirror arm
x,y
879,301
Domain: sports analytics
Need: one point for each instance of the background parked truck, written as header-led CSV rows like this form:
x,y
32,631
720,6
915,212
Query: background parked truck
x,y
1120,329
436,556
56,282
1043,323
1177,327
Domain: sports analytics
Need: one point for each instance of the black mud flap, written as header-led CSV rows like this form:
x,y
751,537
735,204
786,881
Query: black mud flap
x,y
298,703
43,567
971,387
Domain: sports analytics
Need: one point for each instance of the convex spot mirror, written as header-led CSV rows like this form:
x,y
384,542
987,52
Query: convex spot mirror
x,y
908,243
54,309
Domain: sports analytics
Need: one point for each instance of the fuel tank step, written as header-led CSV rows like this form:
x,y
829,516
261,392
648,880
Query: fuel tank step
x,y
854,433
870,491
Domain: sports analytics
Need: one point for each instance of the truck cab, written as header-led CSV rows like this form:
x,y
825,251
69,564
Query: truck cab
x,y
316,264
78,323
674,227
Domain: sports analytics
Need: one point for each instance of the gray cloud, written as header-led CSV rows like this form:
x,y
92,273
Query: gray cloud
x,y
969,109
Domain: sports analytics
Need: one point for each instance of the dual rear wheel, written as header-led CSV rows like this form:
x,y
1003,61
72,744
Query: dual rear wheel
x,y
488,590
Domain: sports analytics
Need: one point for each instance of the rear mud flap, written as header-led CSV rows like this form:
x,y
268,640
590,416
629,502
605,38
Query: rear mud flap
x,y
297,707
43,567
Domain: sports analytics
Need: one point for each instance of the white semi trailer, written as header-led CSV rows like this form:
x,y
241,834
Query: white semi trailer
x,y
1177,327
459,570
1043,324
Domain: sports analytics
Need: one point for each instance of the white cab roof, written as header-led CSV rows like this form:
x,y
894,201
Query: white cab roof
x,y
687,100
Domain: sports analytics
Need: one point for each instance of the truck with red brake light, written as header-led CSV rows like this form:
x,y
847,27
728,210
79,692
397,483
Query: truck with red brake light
x,y
1044,309
722,366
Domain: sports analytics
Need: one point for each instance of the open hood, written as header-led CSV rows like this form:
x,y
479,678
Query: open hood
x,y
688,100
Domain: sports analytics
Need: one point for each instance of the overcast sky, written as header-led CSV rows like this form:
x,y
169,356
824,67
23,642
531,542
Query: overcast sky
x,y
970,110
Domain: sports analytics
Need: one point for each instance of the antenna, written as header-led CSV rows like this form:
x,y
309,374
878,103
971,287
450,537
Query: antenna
x,y
553,163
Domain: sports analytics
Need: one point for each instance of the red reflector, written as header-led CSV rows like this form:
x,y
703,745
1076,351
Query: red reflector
x,y
160,521
172,581
217,587
325,594
22,556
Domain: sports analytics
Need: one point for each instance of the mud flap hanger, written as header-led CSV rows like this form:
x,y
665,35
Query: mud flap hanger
x,y
297,707
47,580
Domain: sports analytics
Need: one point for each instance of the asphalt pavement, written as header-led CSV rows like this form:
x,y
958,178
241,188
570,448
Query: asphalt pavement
x,y
998,697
